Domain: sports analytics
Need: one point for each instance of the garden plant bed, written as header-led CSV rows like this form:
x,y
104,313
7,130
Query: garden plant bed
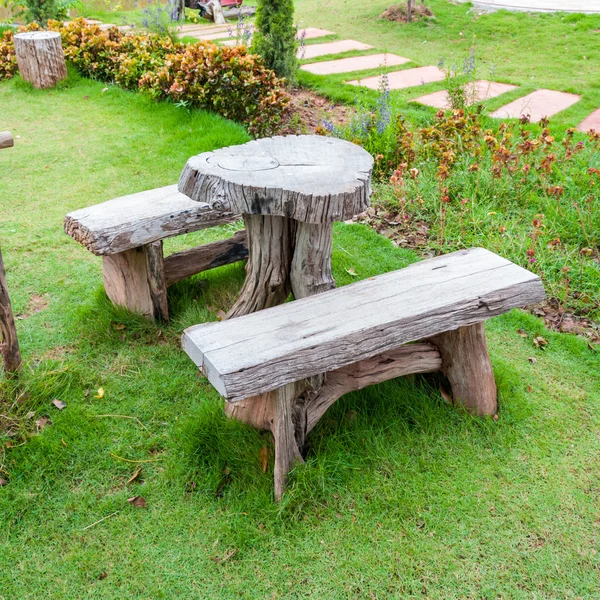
x,y
120,476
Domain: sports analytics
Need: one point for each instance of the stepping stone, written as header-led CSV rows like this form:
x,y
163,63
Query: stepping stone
x,y
403,79
315,50
312,32
475,92
355,63
538,104
592,122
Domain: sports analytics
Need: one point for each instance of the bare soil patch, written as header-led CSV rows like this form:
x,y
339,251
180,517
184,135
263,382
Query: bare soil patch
x,y
399,13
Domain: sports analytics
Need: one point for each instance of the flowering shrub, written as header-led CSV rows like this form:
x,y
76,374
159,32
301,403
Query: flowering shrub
x,y
227,80
518,189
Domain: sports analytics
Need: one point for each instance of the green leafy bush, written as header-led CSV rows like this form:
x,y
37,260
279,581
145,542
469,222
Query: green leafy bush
x,y
8,60
275,37
227,80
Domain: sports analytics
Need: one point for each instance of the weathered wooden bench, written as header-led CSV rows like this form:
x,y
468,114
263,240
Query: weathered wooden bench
x,y
128,232
281,368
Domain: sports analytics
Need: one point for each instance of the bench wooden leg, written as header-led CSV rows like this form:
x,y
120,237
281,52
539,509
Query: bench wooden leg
x,y
311,266
284,432
466,363
135,279
293,411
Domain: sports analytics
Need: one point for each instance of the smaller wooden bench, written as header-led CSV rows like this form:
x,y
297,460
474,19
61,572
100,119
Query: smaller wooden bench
x,y
128,232
281,368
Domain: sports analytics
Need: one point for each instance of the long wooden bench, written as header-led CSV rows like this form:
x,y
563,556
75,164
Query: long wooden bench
x,y
128,232
281,368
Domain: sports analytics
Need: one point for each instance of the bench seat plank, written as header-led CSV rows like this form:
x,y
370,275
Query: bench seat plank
x,y
263,351
138,219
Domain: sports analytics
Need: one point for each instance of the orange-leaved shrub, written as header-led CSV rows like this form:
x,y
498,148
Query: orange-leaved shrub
x,y
8,60
229,81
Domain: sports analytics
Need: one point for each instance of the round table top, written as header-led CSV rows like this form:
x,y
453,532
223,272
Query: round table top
x,y
309,178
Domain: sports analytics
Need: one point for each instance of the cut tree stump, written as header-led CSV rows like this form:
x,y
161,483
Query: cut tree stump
x,y
290,189
40,58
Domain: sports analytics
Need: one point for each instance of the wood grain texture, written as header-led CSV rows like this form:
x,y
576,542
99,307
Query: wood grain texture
x,y
6,140
286,448
157,284
40,58
138,219
263,351
308,178
9,342
270,248
126,281
410,359
467,365
181,265
311,265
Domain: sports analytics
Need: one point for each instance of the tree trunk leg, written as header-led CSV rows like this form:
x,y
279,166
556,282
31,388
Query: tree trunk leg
x,y
135,280
311,266
286,447
466,363
9,343
270,249
156,280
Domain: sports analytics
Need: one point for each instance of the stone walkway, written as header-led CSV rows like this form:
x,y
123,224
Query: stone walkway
x,y
536,105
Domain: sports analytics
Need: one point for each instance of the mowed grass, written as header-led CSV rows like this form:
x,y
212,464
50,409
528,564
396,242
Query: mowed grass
x,y
401,495
556,51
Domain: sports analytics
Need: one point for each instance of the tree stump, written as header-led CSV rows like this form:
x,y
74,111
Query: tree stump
x,y
40,58
290,190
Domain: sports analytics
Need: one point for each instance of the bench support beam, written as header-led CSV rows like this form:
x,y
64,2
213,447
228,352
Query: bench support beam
x,y
467,365
137,279
292,411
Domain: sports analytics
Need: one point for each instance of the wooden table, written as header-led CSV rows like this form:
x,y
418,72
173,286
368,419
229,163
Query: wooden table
x,y
290,190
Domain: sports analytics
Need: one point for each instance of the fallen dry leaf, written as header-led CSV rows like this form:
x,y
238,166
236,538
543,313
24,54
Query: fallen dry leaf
x,y
100,393
264,458
87,392
102,575
522,333
63,442
134,476
3,482
352,272
30,415
138,502
59,403
540,342
532,360
221,314
220,560
42,423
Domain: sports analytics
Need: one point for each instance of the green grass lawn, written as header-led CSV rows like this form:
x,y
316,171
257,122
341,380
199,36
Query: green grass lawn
x,y
401,496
